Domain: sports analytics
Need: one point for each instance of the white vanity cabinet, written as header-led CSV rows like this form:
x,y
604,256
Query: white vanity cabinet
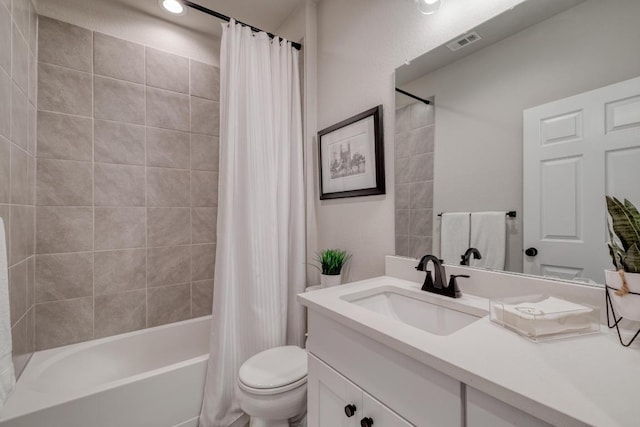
x,y
394,390
334,401
483,410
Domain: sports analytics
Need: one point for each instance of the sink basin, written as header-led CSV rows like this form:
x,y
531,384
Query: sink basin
x,y
414,309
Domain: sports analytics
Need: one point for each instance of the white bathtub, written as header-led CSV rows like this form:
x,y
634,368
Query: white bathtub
x,y
153,377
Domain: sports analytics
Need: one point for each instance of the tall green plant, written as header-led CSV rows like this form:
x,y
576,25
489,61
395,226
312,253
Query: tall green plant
x,y
624,233
332,260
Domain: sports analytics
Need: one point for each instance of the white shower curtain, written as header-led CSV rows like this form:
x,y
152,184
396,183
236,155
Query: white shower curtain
x,y
260,248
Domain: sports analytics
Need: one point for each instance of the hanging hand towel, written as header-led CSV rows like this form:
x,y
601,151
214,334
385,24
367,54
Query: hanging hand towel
x,y
454,236
7,375
489,236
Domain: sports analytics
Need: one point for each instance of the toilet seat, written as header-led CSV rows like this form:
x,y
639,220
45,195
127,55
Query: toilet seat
x,y
274,371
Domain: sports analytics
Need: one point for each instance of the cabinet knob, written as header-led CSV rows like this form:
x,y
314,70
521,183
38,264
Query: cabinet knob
x,y
531,252
350,410
366,422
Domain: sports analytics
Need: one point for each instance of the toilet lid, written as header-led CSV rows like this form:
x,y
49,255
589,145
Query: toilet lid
x,y
274,368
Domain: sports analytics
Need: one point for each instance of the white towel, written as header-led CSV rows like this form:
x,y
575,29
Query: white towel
x,y
489,236
7,374
454,236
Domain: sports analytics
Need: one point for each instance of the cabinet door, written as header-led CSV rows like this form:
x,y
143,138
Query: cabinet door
x,y
484,410
328,394
380,415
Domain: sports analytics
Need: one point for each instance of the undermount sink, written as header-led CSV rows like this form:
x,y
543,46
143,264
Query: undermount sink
x,y
421,311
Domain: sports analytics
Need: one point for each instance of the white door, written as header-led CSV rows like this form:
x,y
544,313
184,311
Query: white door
x,y
576,150
328,394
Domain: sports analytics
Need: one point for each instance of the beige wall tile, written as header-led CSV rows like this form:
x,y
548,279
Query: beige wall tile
x,y
167,148
203,261
21,240
19,118
64,276
418,246
32,94
65,137
167,71
204,152
5,40
18,291
168,265
168,226
120,313
205,116
20,12
64,91
201,298
64,44
204,189
119,143
118,100
31,280
167,110
167,187
203,225
119,228
205,80
168,304
65,322
31,128
117,58
19,176
5,104
64,183
33,27
64,229
20,345
119,271
20,61
5,171
421,195
119,185
31,179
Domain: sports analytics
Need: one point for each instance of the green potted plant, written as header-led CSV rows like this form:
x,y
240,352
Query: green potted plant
x,y
331,262
624,248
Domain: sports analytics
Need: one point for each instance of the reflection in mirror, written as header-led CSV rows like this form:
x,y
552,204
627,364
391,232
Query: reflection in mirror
x,y
500,122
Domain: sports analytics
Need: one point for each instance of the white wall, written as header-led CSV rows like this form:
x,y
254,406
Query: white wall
x,y
360,43
119,20
479,102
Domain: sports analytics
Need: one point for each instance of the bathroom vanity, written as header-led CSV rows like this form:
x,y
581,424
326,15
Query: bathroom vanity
x,y
384,353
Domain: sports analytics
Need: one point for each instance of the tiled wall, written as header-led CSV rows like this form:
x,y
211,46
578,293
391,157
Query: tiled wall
x,y
414,142
18,41
126,188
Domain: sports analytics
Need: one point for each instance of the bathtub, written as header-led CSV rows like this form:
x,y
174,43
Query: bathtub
x,y
153,377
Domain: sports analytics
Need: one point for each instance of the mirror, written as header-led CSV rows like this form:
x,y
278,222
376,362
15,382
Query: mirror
x,y
466,151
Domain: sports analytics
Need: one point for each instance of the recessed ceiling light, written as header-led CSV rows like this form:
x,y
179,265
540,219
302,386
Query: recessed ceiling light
x,y
174,7
428,6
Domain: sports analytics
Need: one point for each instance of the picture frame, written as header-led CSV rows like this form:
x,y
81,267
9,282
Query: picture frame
x,y
351,157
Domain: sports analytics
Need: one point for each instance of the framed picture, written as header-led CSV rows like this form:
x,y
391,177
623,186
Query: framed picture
x,y
352,157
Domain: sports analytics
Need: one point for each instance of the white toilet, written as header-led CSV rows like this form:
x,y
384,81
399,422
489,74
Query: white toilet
x,y
272,386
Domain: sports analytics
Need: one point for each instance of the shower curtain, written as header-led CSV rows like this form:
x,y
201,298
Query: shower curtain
x,y
261,241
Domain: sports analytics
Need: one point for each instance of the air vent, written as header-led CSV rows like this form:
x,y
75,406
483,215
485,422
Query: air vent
x,y
464,41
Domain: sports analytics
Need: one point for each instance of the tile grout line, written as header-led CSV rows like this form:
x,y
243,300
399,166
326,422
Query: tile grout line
x,y
93,184
146,198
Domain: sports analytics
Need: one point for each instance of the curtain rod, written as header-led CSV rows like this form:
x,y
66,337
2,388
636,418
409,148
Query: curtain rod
x,y
410,95
219,15
510,214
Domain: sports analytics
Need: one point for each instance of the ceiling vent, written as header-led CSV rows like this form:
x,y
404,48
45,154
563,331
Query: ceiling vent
x,y
464,41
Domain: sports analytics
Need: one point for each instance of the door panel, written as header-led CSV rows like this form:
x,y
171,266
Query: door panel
x,y
380,414
576,150
328,394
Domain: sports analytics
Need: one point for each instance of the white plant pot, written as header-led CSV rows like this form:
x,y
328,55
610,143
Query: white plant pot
x,y
627,306
328,280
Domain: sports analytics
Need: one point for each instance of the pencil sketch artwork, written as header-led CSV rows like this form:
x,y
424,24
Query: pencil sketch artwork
x,y
348,157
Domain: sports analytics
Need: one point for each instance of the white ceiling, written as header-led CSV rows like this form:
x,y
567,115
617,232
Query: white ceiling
x,y
267,15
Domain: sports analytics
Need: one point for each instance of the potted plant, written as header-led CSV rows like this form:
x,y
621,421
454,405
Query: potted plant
x,y
624,248
331,262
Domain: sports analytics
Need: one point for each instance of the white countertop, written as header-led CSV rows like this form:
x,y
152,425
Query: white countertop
x,y
589,379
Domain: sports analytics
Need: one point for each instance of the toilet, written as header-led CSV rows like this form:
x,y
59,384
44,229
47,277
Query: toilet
x,y
272,386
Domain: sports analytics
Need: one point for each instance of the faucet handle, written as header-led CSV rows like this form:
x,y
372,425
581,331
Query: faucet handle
x,y
453,279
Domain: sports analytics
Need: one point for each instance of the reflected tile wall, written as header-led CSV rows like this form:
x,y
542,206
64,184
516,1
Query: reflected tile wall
x,y
18,88
414,143
126,188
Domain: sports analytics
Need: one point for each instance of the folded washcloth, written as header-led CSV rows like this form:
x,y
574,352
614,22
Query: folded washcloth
x,y
549,316
7,375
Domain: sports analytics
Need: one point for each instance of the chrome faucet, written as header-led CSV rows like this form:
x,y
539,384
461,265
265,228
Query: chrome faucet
x,y
439,286
467,256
